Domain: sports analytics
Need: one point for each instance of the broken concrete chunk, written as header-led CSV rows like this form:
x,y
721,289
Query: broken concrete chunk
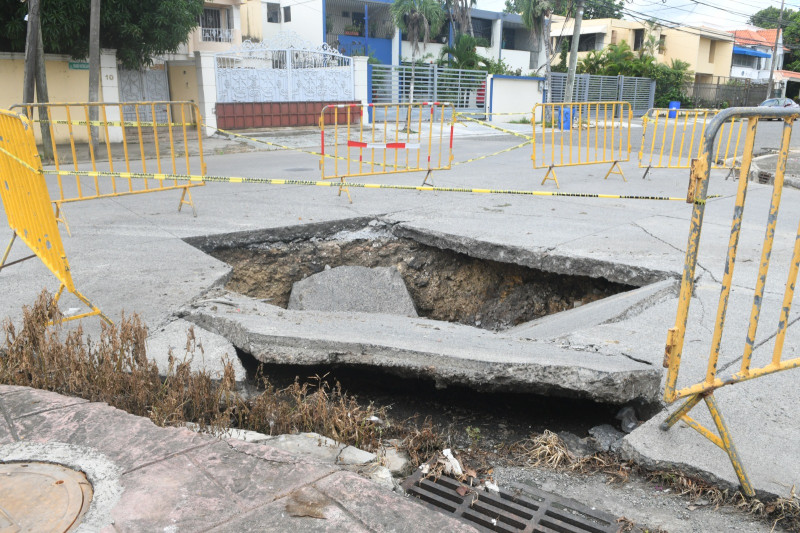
x,y
322,448
606,437
577,446
354,289
396,461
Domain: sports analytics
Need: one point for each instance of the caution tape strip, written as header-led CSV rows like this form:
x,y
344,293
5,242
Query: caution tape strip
x,y
115,123
488,125
422,188
526,143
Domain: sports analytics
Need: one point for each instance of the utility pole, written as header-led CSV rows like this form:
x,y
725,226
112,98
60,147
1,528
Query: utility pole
x,y
775,51
94,64
573,53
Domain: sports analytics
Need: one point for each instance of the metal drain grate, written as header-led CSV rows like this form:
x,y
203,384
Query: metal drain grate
x,y
522,509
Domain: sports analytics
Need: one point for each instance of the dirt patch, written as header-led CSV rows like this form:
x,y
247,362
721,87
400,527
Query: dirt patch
x,y
444,285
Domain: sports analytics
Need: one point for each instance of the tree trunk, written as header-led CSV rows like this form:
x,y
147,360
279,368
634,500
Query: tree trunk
x,y
94,65
468,17
42,98
31,43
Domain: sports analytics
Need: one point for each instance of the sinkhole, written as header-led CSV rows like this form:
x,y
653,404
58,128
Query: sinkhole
x,y
444,285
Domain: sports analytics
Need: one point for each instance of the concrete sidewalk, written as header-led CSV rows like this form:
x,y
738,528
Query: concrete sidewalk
x,y
132,254
147,478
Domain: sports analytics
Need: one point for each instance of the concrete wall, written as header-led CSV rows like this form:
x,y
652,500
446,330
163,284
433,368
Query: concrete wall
x,y
512,94
252,20
64,84
517,59
307,21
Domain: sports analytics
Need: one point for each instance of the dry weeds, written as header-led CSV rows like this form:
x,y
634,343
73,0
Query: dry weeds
x,y
116,370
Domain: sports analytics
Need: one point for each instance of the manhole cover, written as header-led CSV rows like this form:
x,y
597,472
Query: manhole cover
x,y
42,497
518,509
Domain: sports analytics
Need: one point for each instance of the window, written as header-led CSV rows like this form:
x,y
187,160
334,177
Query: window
x,y
587,42
287,14
613,36
741,60
662,44
273,12
211,29
482,29
712,48
638,39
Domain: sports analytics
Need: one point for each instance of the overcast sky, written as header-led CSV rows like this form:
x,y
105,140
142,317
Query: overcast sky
x,y
725,14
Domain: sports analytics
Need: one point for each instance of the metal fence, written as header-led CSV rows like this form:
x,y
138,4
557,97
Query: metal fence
x,y
754,363
284,69
733,93
639,92
464,89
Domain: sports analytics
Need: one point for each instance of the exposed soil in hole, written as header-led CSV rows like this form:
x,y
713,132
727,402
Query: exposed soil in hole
x,y
500,418
444,285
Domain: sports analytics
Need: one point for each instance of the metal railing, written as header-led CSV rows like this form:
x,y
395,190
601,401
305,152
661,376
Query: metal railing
x,y
27,206
672,138
174,146
419,139
581,133
216,35
675,350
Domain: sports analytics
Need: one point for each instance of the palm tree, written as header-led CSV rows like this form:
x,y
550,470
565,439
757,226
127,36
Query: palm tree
x,y
418,19
464,54
534,13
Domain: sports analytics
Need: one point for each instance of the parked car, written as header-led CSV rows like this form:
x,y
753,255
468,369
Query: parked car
x,y
779,102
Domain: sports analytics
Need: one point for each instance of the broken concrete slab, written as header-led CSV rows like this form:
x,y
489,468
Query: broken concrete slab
x,y
608,309
355,289
205,351
445,352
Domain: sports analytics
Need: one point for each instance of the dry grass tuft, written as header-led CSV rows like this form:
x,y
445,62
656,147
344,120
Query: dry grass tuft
x,y
116,370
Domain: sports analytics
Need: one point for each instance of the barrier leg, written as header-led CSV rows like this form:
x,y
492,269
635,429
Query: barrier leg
x,y
188,202
646,172
618,171
95,311
677,415
61,217
8,250
728,445
425,181
551,175
343,187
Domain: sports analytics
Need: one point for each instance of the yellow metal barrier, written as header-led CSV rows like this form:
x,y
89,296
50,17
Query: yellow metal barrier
x,y
581,133
407,138
704,390
27,205
162,136
671,138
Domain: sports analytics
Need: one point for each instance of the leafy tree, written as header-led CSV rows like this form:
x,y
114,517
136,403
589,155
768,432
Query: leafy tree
x,y
596,9
768,18
418,19
139,30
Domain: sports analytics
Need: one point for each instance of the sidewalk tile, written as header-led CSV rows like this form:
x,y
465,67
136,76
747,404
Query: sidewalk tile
x,y
172,495
252,478
385,511
130,441
22,402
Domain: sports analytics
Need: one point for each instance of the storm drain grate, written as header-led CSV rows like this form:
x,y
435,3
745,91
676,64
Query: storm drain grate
x,y
518,509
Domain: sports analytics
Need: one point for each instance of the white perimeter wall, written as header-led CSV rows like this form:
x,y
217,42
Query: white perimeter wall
x,y
513,95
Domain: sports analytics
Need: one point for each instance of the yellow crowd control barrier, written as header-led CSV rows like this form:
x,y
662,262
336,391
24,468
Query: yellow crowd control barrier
x,y
671,138
581,133
674,352
401,138
27,205
134,136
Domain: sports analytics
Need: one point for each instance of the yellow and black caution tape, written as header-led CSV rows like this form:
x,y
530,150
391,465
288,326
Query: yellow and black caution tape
x,y
129,123
526,143
423,188
498,128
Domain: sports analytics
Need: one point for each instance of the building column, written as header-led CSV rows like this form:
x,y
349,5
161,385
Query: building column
x,y
361,84
205,64
497,38
109,91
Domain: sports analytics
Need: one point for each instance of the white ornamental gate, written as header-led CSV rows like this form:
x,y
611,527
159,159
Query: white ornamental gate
x,y
284,69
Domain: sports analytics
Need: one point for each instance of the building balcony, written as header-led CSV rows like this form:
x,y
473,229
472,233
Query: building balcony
x,y
216,35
